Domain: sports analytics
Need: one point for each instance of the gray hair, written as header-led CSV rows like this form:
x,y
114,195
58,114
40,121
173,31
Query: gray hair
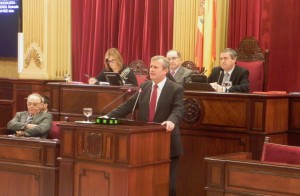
x,y
164,60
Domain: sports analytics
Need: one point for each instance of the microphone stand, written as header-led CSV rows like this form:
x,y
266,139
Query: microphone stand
x,y
140,90
105,107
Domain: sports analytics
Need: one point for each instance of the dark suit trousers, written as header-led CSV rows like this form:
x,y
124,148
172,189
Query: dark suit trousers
x,y
173,175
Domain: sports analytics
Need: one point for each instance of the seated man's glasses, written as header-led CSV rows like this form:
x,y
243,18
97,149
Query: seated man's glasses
x,y
33,104
173,58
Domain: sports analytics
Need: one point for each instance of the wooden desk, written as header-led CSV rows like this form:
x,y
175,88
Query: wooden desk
x,y
214,124
68,100
238,174
6,114
28,166
221,123
131,159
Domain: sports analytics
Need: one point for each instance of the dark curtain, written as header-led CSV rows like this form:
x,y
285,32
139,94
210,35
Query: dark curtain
x,y
280,32
139,29
275,24
243,20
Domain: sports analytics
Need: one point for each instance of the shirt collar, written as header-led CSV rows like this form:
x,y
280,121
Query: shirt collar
x,y
160,84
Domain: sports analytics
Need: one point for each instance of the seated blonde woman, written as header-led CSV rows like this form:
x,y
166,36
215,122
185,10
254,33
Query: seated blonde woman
x,y
114,63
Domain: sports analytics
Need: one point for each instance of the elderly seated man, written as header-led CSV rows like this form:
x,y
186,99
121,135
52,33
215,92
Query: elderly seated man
x,y
34,122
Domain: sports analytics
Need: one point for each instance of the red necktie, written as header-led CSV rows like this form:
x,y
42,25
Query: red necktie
x,y
152,103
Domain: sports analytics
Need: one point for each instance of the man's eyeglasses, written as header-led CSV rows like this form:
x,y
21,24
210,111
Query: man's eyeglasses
x,y
33,104
173,58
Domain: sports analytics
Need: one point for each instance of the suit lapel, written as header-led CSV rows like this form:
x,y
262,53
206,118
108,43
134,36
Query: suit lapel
x,y
164,93
179,73
146,99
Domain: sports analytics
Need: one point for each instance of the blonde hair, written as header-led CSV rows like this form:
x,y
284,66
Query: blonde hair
x,y
114,53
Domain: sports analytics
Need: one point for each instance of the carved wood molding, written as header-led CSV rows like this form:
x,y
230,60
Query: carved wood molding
x,y
138,67
33,56
93,145
249,50
193,111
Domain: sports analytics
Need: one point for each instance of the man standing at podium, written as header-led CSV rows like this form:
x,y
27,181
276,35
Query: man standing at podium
x,y
159,100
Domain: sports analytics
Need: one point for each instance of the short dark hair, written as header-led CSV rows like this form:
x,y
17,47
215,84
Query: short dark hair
x,y
231,52
45,100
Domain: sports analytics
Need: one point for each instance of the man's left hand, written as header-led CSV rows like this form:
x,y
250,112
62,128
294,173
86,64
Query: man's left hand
x,y
169,125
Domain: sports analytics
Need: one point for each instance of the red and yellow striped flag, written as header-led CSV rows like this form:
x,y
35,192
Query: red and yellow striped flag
x,y
206,35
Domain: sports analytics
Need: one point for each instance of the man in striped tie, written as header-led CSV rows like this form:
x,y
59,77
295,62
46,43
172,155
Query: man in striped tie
x,y
34,122
159,100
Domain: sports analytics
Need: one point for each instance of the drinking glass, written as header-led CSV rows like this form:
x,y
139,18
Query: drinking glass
x,y
67,77
227,85
87,112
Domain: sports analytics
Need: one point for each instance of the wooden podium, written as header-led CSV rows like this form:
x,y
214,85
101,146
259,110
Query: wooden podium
x,y
129,159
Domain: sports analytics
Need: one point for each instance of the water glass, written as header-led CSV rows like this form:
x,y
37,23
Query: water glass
x,y
227,85
87,112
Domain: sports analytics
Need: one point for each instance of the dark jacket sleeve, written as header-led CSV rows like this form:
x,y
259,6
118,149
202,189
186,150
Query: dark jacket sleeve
x,y
240,80
101,77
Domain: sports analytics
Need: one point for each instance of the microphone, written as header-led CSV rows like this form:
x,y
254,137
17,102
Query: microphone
x,y
116,99
203,72
219,76
140,90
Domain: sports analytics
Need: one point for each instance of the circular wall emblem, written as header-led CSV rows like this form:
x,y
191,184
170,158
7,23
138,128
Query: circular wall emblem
x,y
193,110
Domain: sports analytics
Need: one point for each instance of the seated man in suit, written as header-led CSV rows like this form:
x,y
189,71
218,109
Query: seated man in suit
x,y
160,100
34,122
229,71
181,74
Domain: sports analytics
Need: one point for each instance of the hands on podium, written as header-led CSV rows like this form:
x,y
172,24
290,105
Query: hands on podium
x,y
169,125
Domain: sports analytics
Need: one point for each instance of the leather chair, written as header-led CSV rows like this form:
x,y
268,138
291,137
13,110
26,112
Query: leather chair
x,y
251,57
140,70
280,153
192,66
54,131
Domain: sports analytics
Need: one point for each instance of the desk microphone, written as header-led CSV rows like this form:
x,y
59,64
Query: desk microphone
x,y
219,76
113,101
203,72
140,90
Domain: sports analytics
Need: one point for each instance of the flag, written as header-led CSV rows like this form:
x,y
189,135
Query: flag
x,y
199,35
206,39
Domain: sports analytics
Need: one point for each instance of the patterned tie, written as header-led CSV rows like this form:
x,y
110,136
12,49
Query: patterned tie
x,y
152,103
226,78
29,119
172,72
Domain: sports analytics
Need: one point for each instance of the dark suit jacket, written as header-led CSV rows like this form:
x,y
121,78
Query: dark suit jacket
x,y
239,78
183,75
42,119
169,107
